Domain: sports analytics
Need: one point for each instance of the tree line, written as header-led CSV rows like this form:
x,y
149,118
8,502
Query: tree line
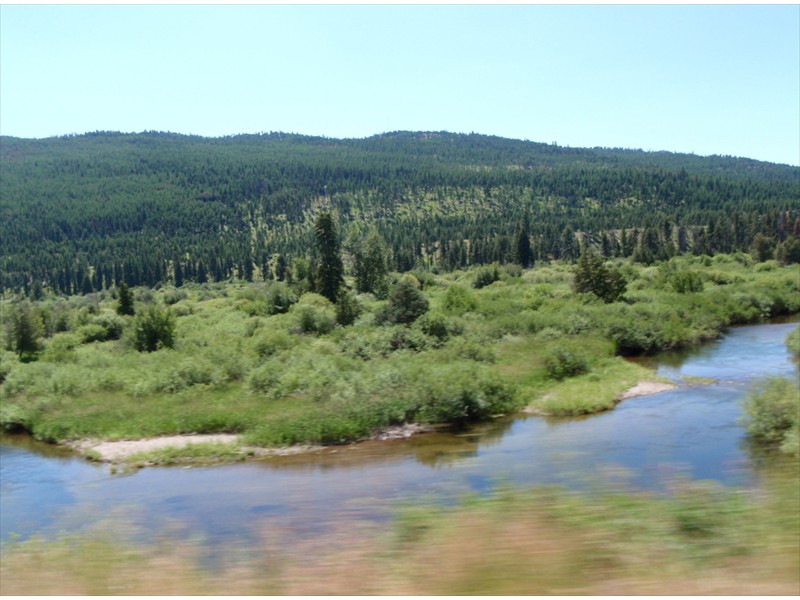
x,y
84,213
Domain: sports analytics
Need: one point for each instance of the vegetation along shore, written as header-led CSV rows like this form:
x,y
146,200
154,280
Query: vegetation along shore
x,y
273,366
294,290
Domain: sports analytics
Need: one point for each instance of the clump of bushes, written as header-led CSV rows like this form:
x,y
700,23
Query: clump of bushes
x,y
406,303
686,282
460,393
561,363
486,276
314,314
458,300
793,342
772,413
153,329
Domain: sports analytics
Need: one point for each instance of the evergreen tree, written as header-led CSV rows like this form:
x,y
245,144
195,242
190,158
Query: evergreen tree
x,y
178,274
762,248
370,266
86,285
406,302
593,276
25,331
330,271
125,306
523,254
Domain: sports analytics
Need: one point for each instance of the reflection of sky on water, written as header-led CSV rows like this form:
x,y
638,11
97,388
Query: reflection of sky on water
x,y
691,430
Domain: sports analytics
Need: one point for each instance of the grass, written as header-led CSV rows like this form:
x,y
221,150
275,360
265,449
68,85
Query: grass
x,y
597,391
194,454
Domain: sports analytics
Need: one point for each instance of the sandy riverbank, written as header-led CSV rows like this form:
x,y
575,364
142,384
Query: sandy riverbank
x,y
119,451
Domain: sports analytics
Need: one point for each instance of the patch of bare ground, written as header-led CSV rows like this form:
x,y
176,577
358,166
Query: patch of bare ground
x,y
401,432
119,451
645,388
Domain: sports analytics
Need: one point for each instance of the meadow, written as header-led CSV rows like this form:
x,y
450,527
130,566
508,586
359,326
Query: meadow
x,y
280,365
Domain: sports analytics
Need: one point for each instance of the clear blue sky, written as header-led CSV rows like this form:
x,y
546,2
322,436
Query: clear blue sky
x,y
713,79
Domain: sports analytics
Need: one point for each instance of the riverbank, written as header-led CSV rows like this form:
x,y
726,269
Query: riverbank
x,y
221,448
283,375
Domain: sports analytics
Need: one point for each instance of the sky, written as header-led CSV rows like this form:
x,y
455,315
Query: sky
x,y
705,79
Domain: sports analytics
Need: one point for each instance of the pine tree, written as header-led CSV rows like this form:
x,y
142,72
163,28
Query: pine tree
x,y
330,271
370,266
125,306
25,331
593,276
523,254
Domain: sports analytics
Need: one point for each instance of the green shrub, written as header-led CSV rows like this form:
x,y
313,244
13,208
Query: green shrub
x,y
264,378
189,372
272,341
406,303
279,299
458,300
686,282
314,319
153,329
635,335
92,333
772,409
61,348
173,295
561,363
347,309
460,393
486,276
793,342
438,326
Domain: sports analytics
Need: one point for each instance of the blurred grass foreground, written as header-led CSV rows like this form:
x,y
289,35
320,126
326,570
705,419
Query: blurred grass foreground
x,y
697,539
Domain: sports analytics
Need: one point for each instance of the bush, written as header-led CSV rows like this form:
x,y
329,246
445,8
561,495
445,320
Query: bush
x,y
347,309
793,342
406,303
458,300
279,299
314,314
435,325
460,393
562,363
686,282
92,333
270,342
153,329
486,276
772,409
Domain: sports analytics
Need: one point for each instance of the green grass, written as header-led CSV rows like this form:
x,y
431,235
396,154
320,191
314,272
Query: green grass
x,y
596,391
200,453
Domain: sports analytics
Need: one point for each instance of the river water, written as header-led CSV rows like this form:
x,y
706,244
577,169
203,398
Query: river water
x,y
645,442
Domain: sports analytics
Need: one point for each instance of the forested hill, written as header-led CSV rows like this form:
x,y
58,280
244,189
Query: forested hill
x,y
83,212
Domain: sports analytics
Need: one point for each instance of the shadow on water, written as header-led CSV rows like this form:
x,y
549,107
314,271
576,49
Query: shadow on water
x,y
691,431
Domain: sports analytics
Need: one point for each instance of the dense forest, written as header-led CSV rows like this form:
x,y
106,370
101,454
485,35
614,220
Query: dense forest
x,y
83,213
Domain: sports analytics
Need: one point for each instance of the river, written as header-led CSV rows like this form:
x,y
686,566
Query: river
x,y
690,431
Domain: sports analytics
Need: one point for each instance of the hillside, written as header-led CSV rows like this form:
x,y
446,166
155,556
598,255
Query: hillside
x,y
84,212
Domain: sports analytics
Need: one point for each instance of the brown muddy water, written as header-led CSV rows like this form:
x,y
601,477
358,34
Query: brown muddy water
x,y
645,442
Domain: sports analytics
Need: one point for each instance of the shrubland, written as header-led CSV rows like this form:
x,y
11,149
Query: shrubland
x,y
281,365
